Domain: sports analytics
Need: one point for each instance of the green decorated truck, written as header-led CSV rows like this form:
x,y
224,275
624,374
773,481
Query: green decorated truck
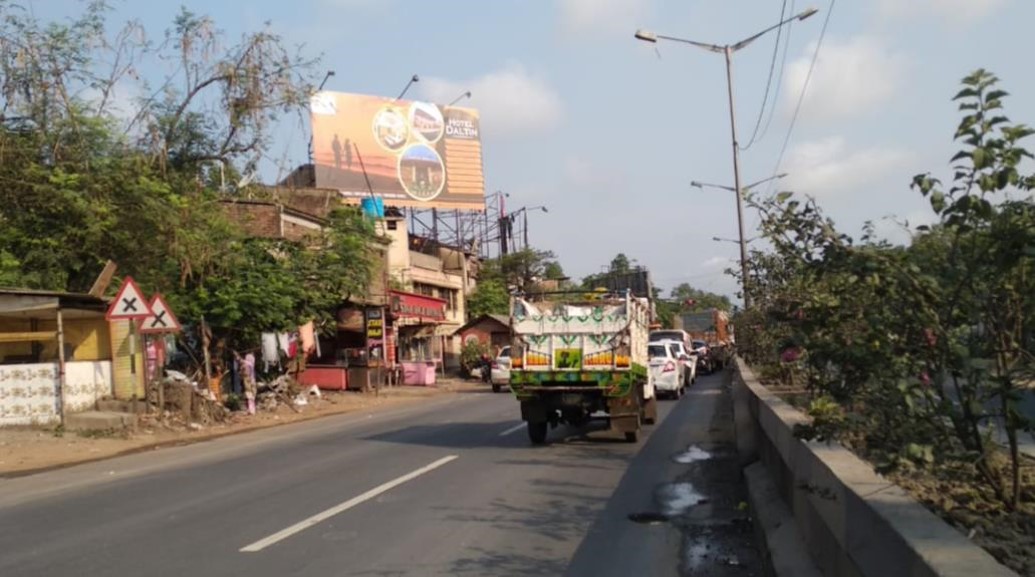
x,y
574,355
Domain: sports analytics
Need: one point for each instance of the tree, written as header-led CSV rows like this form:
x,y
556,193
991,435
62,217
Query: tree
x,y
523,269
702,300
910,353
620,264
552,270
86,182
489,297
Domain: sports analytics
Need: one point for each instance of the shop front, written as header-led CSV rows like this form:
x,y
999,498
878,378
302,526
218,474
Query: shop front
x,y
416,322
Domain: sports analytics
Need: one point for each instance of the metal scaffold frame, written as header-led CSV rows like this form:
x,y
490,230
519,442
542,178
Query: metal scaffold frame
x,y
487,234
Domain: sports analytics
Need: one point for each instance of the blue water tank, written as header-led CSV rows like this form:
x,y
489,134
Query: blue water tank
x,y
373,206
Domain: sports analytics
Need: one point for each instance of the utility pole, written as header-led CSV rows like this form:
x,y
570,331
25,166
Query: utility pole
x,y
728,52
524,224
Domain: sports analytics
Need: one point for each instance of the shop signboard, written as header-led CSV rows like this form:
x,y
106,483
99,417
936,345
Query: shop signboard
x,y
413,306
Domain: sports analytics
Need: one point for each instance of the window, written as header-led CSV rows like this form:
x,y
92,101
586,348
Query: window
x,y
657,352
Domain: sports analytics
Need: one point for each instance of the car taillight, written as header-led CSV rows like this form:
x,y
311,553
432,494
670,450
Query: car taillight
x,y
669,367
495,365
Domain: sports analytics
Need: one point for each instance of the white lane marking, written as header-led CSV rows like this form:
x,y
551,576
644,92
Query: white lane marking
x,y
324,515
513,429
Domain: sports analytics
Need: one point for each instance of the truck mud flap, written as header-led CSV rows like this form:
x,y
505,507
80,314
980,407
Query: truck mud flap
x,y
625,423
533,411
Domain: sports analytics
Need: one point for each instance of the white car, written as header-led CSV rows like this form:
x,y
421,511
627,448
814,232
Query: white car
x,y
666,370
687,358
500,375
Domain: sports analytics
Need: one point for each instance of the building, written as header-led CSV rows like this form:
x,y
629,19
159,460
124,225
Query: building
x,y
492,331
422,284
444,275
58,355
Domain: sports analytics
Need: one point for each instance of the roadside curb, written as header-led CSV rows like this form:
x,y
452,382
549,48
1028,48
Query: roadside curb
x,y
784,550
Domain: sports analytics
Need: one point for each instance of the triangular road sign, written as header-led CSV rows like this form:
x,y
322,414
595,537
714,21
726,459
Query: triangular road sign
x,y
161,320
129,303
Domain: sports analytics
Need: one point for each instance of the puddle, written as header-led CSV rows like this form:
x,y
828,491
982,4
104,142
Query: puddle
x,y
693,454
678,498
648,518
694,555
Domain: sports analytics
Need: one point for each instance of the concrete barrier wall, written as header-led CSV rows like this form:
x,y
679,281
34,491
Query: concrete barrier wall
x,y
854,522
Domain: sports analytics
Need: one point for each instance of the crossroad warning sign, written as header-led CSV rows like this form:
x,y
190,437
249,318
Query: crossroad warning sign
x,y
129,303
161,320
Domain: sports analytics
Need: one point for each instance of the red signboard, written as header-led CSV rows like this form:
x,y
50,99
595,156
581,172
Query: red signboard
x,y
414,306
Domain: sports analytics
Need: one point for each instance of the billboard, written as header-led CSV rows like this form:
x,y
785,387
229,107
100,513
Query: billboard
x,y
415,154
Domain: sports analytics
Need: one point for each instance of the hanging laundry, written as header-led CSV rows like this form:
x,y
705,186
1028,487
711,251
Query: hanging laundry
x,y
249,366
270,350
307,333
284,342
293,343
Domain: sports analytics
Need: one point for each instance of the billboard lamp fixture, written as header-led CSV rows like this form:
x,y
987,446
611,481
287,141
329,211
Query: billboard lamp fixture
x,y
461,97
413,79
324,81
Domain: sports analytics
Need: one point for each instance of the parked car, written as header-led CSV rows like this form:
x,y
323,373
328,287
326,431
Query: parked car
x,y
687,358
671,335
705,362
501,370
666,370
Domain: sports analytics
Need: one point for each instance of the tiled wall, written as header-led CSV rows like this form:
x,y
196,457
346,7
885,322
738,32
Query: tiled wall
x,y
29,392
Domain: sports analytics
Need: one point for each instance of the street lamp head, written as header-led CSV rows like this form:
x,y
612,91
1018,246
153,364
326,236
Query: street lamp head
x,y
415,78
544,209
808,12
646,36
781,175
696,184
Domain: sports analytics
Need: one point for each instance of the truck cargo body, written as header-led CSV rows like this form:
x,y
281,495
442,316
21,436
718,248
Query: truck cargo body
x,y
573,357
714,328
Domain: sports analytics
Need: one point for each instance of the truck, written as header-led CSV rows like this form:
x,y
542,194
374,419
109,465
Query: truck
x,y
574,354
713,327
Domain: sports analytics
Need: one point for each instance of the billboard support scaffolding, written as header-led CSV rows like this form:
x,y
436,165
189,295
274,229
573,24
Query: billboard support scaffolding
x,y
481,233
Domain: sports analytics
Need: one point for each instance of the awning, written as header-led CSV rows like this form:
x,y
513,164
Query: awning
x,y
19,304
416,331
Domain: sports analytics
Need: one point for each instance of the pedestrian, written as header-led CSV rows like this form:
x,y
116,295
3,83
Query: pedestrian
x,y
348,154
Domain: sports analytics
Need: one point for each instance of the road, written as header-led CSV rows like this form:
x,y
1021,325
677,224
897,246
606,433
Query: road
x,y
449,487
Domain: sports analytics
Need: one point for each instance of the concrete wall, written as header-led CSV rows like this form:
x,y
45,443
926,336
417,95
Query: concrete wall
x,y
855,523
29,392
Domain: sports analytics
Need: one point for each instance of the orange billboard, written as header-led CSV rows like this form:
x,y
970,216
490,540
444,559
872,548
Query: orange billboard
x,y
413,154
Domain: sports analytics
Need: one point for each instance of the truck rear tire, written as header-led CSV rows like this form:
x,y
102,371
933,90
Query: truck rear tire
x,y
537,432
495,387
632,436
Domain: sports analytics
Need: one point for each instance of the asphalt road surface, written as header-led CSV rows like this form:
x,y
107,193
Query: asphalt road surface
x,y
449,487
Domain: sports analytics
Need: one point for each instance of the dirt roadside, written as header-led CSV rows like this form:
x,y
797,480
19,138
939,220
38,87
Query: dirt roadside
x,y
27,450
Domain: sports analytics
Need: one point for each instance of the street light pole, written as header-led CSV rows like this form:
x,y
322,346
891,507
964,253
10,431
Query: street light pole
x,y
728,52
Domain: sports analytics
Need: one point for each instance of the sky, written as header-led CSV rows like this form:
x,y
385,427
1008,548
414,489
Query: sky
x,y
608,132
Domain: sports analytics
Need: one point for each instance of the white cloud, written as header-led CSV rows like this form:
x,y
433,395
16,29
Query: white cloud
x,y
953,11
899,230
850,77
511,100
601,15
827,166
715,261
